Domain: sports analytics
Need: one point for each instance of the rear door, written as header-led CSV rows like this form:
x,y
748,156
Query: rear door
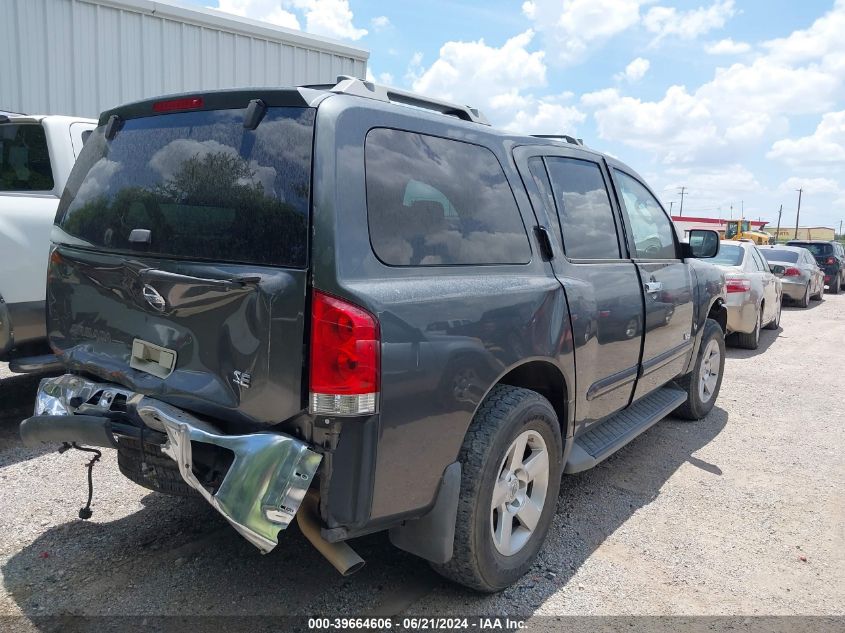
x,y
181,261
601,282
769,283
666,282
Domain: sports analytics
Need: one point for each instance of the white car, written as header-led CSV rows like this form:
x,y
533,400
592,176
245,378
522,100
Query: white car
x,y
755,294
36,156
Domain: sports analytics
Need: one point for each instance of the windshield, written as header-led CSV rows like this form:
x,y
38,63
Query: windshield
x,y
202,185
729,255
818,250
779,255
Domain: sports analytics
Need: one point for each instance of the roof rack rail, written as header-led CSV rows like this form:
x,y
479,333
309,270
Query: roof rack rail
x,y
562,137
360,88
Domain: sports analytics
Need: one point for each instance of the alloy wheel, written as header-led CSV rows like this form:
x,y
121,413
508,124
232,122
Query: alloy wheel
x,y
519,494
710,363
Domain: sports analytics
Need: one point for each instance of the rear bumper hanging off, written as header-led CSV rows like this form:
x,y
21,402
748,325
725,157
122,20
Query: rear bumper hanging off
x,y
260,493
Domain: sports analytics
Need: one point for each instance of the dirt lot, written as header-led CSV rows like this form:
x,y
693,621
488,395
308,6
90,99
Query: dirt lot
x,y
741,513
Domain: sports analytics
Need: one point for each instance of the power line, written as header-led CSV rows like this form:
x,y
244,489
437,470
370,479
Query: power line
x,y
683,193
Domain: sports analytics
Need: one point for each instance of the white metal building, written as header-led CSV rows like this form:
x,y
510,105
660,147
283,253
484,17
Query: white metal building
x,y
80,57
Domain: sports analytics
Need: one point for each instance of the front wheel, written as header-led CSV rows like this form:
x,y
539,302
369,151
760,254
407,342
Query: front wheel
x,y
511,469
702,384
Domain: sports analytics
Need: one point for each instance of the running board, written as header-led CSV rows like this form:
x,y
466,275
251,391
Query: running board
x,y
609,436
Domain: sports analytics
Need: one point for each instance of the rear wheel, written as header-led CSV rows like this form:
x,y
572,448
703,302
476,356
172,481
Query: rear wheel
x,y
752,339
805,300
702,384
775,322
511,470
161,473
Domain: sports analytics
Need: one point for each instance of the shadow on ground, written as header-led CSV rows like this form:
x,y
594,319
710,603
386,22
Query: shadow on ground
x,y
767,339
179,557
17,399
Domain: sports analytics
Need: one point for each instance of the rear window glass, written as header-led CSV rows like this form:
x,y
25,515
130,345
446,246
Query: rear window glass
x,y
24,158
729,255
816,249
779,255
433,201
205,187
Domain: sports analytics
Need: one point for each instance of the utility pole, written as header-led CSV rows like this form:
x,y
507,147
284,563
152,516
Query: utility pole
x,y
777,232
798,213
683,192
840,229
671,204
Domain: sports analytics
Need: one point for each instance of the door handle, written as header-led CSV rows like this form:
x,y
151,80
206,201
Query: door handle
x,y
653,286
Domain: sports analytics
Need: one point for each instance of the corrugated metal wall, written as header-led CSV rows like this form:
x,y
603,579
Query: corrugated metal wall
x,y
80,57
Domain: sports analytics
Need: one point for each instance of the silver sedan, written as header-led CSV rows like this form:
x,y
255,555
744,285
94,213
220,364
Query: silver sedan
x,y
754,293
800,275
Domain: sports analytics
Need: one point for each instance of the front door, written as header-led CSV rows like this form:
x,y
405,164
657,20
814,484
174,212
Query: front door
x,y
601,283
666,283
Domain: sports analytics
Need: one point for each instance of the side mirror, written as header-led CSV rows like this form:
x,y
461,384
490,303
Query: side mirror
x,y
703,244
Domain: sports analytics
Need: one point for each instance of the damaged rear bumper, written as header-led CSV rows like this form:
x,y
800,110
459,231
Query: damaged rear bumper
x,y
259,494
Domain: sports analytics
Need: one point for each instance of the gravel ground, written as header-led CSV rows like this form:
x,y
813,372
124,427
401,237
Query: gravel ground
x,y
739,514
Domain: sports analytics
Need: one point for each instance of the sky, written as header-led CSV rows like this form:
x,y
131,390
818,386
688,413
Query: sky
x,y
742,102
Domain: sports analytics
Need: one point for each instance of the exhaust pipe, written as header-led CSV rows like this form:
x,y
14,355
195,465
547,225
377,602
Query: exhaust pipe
x,y
340,555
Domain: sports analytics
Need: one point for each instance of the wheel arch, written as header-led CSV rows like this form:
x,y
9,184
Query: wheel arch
x,y
546,378
718,311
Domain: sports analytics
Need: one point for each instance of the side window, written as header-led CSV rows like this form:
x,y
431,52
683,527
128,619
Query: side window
x,y
758,259
433,201
541,178
654,236
24,158
583,206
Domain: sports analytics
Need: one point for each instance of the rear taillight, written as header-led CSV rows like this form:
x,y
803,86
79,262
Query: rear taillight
x,y
344,362
185,103
831,260
737,285
792,272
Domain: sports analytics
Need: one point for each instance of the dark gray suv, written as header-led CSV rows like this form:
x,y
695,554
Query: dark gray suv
x,y
325,304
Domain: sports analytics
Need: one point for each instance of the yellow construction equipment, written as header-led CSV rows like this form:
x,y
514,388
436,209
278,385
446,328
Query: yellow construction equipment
x,y
741,230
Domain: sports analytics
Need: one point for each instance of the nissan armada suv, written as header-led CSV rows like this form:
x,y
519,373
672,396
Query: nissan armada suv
x,y
322,303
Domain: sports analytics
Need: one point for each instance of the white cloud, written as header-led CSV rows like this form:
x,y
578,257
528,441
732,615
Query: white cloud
x,y
810,185
332,18
727,47
688,25
380,23
500,81
267,10
634,71
741,106
825,146
572,29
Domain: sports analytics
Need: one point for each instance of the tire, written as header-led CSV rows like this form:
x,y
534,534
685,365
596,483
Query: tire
x,y
805,300
751,340
819,296
834,286
506,415
162,473
775,322
699,404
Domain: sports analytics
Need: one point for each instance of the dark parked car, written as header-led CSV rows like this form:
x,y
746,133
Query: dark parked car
x,y
319,302
830,257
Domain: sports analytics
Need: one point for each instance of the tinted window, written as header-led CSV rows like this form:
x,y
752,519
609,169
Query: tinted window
x,y
729,255
818,250
780,255
24,158
759,261
541,178
202,184
433,201
654,236
586,217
